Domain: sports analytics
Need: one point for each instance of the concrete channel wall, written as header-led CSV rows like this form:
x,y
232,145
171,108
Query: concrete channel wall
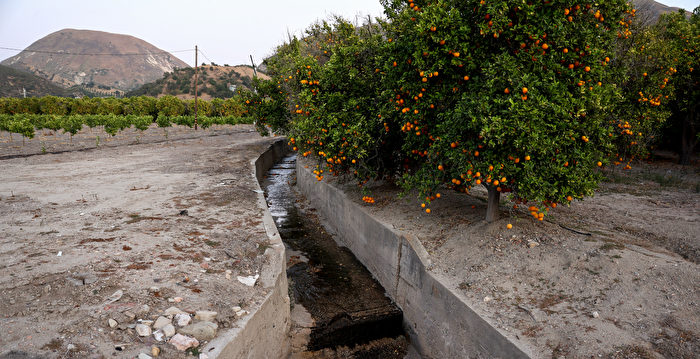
x,y
263,332
438,322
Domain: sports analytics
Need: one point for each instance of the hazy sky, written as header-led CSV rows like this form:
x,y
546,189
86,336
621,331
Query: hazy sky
x,y
226,31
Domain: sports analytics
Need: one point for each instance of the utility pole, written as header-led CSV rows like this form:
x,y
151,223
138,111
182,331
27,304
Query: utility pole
x,y
195,87
255,72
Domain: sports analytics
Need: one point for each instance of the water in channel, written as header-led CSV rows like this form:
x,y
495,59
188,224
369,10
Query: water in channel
x,y
338,309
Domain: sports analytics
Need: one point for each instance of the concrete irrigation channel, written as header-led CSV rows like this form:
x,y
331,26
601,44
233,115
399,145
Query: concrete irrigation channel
x,y
339,309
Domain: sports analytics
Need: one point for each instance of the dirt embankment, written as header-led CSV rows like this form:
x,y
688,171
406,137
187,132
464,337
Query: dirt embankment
x,y
613,276
94,243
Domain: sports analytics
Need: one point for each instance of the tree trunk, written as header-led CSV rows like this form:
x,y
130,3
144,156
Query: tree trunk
x,y
688,139
494,199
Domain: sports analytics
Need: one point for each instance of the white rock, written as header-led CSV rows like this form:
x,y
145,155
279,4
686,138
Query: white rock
x,y
487,299
205,315
112,323
532,244
158,335
183,342
236,308
143,330
168,330
203,356
595,315
249,280
144,356
115,296
161,322
173,311
182,319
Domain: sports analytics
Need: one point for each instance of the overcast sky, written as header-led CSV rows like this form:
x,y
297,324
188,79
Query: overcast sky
x,y
227,31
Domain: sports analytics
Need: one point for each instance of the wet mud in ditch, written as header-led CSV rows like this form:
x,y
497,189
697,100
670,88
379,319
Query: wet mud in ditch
x,y
338,309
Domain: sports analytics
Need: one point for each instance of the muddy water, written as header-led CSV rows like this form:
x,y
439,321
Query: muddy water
x,y
338,309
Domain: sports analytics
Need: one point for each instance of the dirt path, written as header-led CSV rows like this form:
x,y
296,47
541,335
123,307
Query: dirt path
x,y
160,224
614,276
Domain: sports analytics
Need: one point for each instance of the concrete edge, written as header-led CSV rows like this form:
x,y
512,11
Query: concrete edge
x,y
263,332
437,319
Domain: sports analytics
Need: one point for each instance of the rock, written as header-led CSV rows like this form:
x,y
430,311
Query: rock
x,y
487,299
112,323
70,347
143,330
144,356
595,315
182,342
79,279
147,322
161,322
241,313
130,315
143,310
155,351
203,356
173,311
159,335
182,319
200,330
154,290
532,244
115,296
168,330
249,280
205,315
236,308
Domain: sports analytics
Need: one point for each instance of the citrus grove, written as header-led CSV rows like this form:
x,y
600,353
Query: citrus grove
x,y
525,98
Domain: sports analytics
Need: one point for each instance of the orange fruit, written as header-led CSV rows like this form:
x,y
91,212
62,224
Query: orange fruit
x,y
509,226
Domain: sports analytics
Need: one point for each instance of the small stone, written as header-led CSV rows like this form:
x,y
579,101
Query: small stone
x,y
155,351
532,244
168,330
201,330
130,315
144,356
161,322
236,308
205,315
182,342
177,299
182,319
143,330
158,335
112,323
241,313
249,280
143,310
70,347
595,315
173,311
147,322
203,356
154,290
487,299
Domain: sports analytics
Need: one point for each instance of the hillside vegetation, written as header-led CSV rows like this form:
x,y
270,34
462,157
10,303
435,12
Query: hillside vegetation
x,y
213,81
14,82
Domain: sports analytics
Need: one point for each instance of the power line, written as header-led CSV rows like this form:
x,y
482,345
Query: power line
x,y
205,56
96,54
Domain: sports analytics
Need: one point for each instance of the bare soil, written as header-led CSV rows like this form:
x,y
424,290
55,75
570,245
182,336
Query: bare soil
x,y
168,221
614,276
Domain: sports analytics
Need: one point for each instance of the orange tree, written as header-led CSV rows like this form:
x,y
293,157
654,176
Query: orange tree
x,y
643,65
682,34
325,94
512,95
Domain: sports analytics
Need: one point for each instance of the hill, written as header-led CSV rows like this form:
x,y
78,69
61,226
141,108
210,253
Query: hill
x,y
13,83
650,10
68,58
213,82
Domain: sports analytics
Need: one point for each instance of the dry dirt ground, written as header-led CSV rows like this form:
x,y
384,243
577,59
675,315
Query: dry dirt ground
x,y
165,221
614,276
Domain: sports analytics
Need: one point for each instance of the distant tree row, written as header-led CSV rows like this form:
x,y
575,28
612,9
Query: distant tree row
x,y
139,106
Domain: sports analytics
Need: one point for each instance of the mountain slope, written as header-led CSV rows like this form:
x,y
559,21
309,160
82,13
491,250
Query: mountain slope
x,y
651,10
13,83
67,58
213,82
